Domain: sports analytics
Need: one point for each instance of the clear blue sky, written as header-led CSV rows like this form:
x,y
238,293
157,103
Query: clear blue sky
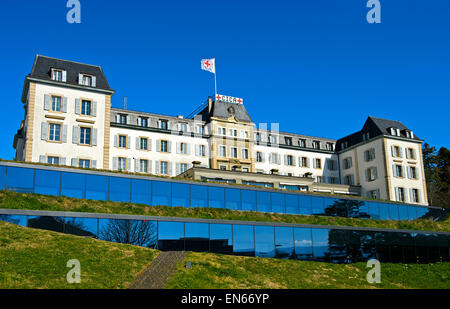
x,y
316,67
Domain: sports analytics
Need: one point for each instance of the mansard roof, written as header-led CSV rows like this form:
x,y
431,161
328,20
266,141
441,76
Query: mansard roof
x,y
225,111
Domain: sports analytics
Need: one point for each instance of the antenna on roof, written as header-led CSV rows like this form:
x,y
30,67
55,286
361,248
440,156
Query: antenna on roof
x,y
125,102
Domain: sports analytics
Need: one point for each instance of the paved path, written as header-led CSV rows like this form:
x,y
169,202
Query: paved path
x,y
160,271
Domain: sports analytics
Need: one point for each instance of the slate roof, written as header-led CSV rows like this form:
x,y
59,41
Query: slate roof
x,y
42,69
222,110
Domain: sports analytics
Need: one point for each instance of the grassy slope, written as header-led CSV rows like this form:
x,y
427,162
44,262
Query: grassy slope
x,y
224,272
13,200
33,258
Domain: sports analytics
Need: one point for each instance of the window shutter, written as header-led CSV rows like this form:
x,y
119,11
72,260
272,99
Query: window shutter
x,y
403,171
157,167
139,120
392,151
128,164
408,172
375,172
75,134
42,159
74,162
263,159
64,105
169,168
94,108
94,137
64,76
136,166
150,166
64,133
197,151
117,118
270,158
178,148
169,146
352,179
114,163
128,142
308,162
411,195
116,140
285,160
294,163
419,196
372,151
149,145
77,106
158,145
80,79
394,171
406,153
177,166
159,123
396,194
44,130
137,143
94,163
188,149
46,102
314,163
401,152
367,175
128,119
94,81
405,192
62,161
366,156
351,162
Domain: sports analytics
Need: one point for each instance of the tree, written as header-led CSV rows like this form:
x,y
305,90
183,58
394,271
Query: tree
x,y
134,232
437,175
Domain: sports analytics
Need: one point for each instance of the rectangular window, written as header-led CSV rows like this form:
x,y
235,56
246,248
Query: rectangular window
x,y
319,179
53,160
122,141
183,148
223,167
233,152
163,168
183,167
164,146
258,156
373,194
87,80
56,103
258,137
397,151
369,155
143,121
330,146
316,144
57,75
318,163
221,131
274,158
348,180
122,164
371,174
398,170
331,164
84,163
123,119
202,150
86,107
143,166
54,132
415,195
288,141
348,163
85,136
143,141
290,160
302,143
183,127
222,151
244,153
163,124
412,172
304,161
401,194
233,132
411,153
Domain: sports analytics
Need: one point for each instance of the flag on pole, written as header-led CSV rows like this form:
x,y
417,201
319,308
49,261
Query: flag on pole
x,y
209,65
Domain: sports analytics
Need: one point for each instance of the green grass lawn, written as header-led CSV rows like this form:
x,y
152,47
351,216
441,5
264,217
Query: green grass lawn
x,y
31,258
13,200
211,271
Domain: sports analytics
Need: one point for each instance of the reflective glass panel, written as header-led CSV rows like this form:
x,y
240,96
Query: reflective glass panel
x,y
55,224
72,185
248,200
305,204
421,244
292,204
384,211
317,206
161,193
263,201
337,245
374,211
180,194
264,241
141,191
119,189
334,207
171,236
321,250
197,237
233,199
396,250
358,209
278,203
412,213
143,233
421,211
303,244
14,219
47,182
81,226
2,177
199,196
216,197
403,212
284,242
406,242
96,187
394,212
221,238
383,246
19,179
243,240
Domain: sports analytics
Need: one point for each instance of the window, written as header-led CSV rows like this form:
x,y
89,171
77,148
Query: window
x,y
143,166
332,180
412,172
409,134
371,174
86,107
410,153
163,124
290,160
400,192
245,169
123,119
122,164
183,167
258,137
348,179
316,144
319,179
244,153
122,141
395,131
288,141
53,160
273,139
222,151
54,132
415,196
274,158
258,156
302,142
396,151
304,161
202,150
86,80
85,136
330,146
143,143
398,170
163,168
366,136
56,103
232,132
374,194
348,163
57,75
183,127
223,167
331,164
317,163
84,163
183,148
233,152
164,146
244,134
221,131
369,155
143,121
344,145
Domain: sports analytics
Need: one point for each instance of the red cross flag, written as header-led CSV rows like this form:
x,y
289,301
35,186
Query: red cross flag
x,y
209,65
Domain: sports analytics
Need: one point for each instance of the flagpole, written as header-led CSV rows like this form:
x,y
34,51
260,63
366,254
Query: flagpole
x,y
215,80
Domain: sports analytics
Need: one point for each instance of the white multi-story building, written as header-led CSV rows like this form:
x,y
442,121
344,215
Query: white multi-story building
x,y
69,121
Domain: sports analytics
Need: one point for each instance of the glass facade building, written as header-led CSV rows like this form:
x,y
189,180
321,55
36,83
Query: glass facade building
x,y
170,192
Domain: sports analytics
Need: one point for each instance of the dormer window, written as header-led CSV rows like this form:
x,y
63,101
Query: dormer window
x,y
87,80
344,145
366,136
288,141
395,131
302,142
59,75
409,134
330,146
316,144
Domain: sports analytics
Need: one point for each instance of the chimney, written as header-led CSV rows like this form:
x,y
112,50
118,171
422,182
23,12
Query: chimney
x,y
274,171
209,104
